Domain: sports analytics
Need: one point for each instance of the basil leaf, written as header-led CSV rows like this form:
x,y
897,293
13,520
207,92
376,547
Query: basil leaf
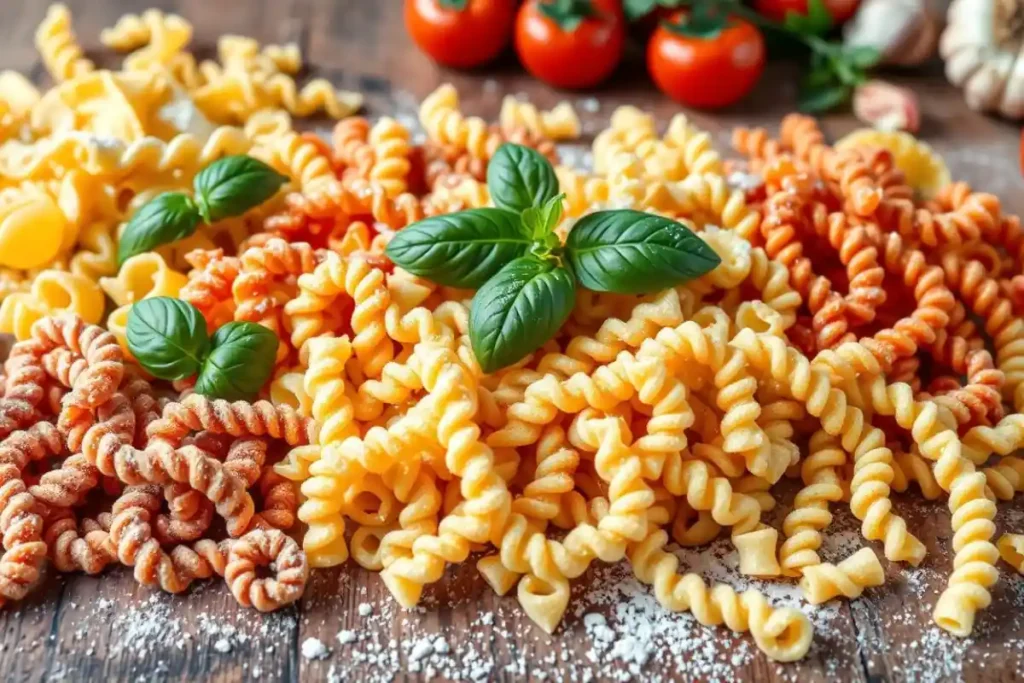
x,y
457,5
541,221
166,218
518,310
519,177
862,56
167,337
462,249
240,363
233,185
819,99
632,252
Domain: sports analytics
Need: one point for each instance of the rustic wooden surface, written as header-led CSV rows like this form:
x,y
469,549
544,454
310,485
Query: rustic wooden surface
x,y
79,628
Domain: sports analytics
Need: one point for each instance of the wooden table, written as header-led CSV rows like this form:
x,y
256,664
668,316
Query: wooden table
x,y
76,628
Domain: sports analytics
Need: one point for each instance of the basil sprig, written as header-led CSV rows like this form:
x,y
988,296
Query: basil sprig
x,y
525,278
227,187
168,337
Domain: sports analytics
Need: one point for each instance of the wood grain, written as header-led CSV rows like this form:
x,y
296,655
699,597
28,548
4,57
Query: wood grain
x,y
78,628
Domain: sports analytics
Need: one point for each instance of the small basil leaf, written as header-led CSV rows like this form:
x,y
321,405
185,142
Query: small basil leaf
x,y
518,310
519,177
862,56
167,337
813,100
166,218
240,363
233,185
541,221
462,249
632,252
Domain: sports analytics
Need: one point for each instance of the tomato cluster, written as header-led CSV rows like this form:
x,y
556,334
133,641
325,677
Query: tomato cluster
x,y
578,43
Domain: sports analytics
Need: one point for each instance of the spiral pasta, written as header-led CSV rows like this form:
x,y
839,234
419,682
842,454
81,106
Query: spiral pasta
x,y
857,335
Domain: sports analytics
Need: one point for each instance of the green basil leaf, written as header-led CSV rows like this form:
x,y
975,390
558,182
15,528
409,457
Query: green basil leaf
x,y
518,310
457,5
166,218
862,56
815,100
167,337
240,363
632,252
233,185
519,177
541,221
462,249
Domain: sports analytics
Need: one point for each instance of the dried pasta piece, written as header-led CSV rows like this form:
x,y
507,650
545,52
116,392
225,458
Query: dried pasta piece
x,y
849,578
59,47
924,169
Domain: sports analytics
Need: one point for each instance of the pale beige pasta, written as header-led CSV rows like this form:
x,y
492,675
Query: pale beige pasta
x,y
849,578
1011,549
757,552
560,123
289,389
142,276
59,47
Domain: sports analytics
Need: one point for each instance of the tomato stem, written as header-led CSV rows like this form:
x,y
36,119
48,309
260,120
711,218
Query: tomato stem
x,y
568,14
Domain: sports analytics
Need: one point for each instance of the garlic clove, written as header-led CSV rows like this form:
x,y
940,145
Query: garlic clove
x,y
885,106
905,32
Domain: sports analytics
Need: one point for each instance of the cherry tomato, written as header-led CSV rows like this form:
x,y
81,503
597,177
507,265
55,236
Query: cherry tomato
x,y
567,55
460,33
706,72
841,10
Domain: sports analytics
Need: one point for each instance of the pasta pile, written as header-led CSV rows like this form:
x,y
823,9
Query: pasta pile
x,y
861,333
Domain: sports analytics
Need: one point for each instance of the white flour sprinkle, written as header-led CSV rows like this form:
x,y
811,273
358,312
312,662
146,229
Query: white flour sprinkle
x,y
313,648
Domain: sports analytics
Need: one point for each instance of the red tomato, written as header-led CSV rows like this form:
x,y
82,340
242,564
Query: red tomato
x,y
460,37
841,10
707,73
576,58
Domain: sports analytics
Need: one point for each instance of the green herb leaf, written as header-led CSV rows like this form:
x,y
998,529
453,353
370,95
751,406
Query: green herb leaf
x,y
233,185
167,337
817,21
461,249
541,221
519,177
824,98
240,363
633,252
518,310
862,56
457,5
166,218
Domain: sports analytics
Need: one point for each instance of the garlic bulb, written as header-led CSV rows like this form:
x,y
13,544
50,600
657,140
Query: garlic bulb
x,y
982,48
905,32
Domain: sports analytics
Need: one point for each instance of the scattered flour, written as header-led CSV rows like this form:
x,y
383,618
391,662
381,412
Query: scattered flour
x,y
313,648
